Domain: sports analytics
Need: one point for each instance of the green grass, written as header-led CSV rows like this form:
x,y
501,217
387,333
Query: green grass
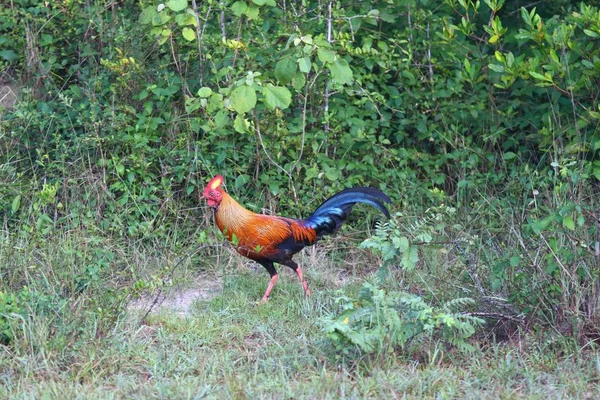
x,y
227,346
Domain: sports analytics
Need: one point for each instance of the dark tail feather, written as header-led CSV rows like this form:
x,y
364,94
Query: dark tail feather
x,y
330,215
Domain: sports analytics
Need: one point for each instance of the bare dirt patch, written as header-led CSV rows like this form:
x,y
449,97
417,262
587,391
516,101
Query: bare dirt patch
x,y
179,300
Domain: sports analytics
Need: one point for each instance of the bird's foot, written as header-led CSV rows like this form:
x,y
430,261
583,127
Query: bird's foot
x,y
272,283
303,281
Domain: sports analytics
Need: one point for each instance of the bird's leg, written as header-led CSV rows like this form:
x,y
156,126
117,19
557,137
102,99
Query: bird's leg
x,y
292,264
270,287
303,281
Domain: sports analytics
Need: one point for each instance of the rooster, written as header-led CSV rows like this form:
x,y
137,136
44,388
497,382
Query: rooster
x,y
269,239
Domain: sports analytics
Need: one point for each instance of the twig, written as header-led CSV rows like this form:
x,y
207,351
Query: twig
x,y
430,65
177,66
597,243
289,174
166,279
199,38
557,258
236,52
326,95
496,315
304,123
222,21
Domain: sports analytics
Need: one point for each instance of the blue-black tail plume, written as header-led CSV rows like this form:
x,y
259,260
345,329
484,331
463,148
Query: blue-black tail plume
x,y
330,215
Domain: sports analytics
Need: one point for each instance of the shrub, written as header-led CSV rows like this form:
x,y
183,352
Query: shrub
x,y
378,321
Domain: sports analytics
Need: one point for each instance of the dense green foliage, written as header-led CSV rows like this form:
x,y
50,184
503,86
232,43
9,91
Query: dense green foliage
x,y
380,322
480,120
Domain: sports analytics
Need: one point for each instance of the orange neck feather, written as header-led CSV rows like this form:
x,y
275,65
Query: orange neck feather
x,y
230,215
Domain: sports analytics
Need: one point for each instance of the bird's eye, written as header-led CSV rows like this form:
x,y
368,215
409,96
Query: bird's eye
x,y
212,193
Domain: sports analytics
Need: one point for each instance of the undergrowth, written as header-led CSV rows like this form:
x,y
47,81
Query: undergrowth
x,y
89,345
479,119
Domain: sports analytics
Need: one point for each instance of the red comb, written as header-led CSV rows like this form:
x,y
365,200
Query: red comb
x,y
215,182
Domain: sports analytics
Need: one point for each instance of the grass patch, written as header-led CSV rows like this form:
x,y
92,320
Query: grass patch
x,y
85,344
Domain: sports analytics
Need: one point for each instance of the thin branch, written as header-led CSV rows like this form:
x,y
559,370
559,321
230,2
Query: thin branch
x,y
199,39
304,108
326,95
172,46
496,315
557,258
262,144
239,37
166,280
222,21
429,64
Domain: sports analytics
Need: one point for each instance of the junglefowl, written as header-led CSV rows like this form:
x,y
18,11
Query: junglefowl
x,y
269,239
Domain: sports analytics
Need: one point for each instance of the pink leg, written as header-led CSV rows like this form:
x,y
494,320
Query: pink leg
x,y
270,287
304,284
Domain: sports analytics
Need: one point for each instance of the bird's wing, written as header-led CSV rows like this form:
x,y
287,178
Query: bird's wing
x,y
266,235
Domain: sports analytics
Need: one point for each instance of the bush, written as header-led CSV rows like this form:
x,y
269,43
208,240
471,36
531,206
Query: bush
x,y
487,107
379,322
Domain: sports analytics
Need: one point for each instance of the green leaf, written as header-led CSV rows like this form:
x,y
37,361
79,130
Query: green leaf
x,y
192,104
160,19
326,55
177,5
403,244
243,99
332,174
8,55
241,180
147,14
16,203
387,17
252,11
410,258
285,69
259,2
596,173
241,124
568,222
299,81
540,77
341,72
239,8
514,261
120,169
204,92
188,34
497,68
186,19
304,64
311,173
383,273
383,46
276,96
221,118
